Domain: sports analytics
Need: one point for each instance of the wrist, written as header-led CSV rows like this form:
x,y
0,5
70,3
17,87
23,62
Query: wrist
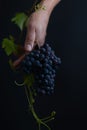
x,y
49,5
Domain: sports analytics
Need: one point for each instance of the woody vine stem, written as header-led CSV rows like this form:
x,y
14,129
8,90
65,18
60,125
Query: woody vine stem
x,y
31,100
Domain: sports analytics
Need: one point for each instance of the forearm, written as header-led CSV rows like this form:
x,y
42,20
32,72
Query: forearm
x,y
49,4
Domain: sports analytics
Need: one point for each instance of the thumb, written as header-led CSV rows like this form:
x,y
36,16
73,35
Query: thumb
x,y
29,41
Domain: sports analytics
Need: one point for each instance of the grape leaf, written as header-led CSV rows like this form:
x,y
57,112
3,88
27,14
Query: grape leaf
x,y
20,19
9,46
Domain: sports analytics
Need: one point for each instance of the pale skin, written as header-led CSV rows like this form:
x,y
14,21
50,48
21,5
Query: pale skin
x,y
37,25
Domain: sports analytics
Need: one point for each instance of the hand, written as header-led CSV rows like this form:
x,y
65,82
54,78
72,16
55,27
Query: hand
x,y
36,29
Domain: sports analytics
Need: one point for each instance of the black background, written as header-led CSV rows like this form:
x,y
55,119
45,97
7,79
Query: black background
x,y
67,34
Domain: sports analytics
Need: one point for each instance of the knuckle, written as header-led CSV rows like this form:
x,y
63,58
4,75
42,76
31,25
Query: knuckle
x,y
30,36
29,40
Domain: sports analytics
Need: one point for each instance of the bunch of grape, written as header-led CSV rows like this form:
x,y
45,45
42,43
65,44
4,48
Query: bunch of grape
x,y
42,63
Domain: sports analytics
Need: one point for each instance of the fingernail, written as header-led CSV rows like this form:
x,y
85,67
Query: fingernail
x,y
28,47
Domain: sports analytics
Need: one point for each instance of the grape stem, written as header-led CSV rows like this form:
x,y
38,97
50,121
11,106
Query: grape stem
x,y
29,98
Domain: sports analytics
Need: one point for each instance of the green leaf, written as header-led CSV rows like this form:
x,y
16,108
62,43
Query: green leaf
x,y
20,19
9,46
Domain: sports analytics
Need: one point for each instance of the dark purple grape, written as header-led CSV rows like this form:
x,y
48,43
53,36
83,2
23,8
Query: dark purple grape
x,y
42,63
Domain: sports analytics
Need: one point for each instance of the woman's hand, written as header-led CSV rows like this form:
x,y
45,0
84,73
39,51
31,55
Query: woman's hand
x,y
36,29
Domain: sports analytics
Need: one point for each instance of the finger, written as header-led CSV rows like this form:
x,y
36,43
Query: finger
x,y
40,38
30,38
18,61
